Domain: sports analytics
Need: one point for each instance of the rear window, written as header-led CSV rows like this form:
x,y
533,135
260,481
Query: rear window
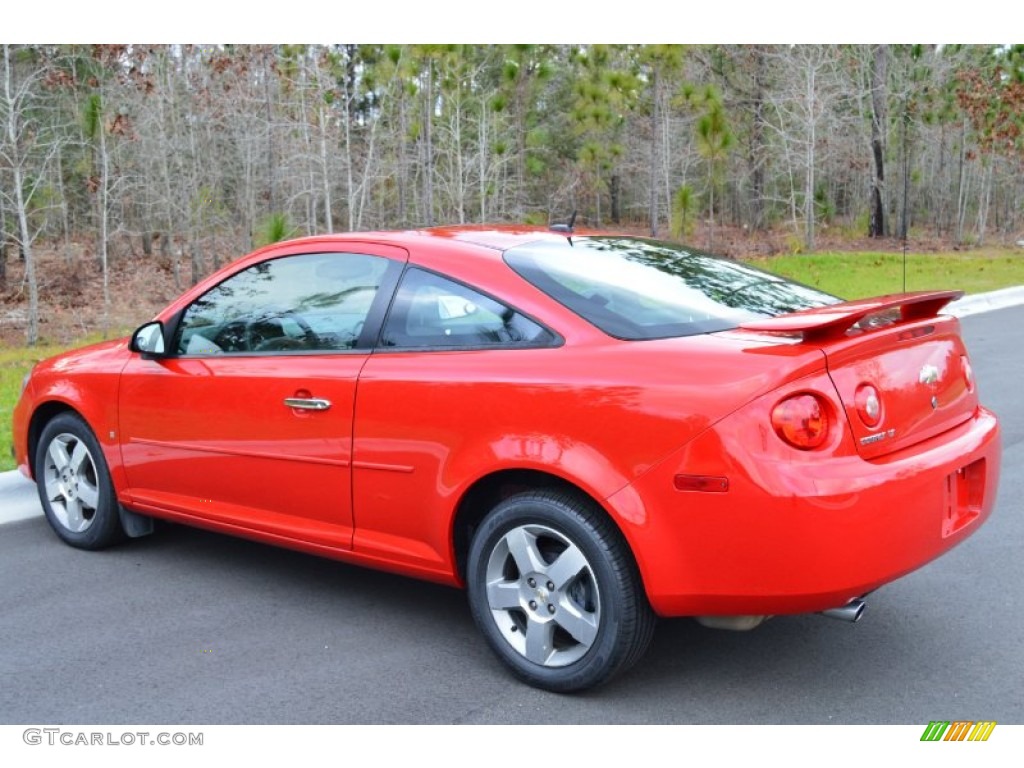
x,y
636,289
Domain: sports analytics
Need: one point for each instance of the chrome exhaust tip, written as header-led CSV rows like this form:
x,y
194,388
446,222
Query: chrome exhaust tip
x,y
851,612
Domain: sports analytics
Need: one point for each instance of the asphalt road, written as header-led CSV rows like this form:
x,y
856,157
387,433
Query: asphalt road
x,y
192,627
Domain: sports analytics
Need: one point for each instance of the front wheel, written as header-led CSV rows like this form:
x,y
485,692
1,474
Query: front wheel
x,y
556,593
74,484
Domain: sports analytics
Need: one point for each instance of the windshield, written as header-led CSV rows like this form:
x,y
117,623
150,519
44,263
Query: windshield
x,y
635,289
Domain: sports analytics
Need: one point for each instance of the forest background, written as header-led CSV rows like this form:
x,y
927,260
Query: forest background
x,y
128,172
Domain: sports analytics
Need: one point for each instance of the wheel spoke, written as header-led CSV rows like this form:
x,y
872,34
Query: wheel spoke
x,y
522,545
53,491
73,509
582,626
503,595
88,494
78,456
567,567
59,454
540,641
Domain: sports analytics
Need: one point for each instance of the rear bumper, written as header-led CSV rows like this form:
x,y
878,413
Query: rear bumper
x,y
801,532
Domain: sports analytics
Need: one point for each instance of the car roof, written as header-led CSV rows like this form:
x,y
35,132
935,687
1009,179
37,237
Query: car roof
x,y
498,237
494,237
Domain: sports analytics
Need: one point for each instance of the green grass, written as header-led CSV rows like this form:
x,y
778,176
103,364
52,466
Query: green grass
x,y
857,275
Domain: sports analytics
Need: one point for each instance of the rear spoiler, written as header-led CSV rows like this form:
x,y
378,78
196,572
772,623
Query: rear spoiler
x,y
833,321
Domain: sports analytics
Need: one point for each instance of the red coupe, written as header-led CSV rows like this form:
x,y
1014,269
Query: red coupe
x,y
585,431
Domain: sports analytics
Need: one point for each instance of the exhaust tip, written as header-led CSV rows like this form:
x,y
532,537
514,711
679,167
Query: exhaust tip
x,y
850,612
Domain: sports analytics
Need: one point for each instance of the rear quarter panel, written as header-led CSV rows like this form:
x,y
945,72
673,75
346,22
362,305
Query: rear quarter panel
x,y
430,424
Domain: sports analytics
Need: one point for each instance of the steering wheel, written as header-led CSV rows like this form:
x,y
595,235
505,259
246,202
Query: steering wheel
x,y
251,334
258,340
233,337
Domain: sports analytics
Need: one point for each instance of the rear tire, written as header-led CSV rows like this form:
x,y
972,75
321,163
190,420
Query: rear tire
x,y
74,484
556,593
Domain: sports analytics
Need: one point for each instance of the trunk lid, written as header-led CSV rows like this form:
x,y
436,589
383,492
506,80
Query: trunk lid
x,y
913,358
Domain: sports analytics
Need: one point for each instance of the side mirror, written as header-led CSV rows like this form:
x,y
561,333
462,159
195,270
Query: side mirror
x,y
149,340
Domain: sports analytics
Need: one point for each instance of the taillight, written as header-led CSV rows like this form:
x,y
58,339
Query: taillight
x,y
801,421
968,372
869,406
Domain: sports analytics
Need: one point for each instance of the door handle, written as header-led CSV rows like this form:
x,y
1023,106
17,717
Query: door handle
x,y
308,403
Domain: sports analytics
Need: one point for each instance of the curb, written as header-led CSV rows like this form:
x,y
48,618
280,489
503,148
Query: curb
x,y
20,498
987,302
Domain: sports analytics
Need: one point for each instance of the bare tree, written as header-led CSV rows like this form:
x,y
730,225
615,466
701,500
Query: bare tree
x,y
801,108
29,147
879,124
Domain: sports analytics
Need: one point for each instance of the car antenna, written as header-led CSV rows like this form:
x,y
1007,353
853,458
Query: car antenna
x,y
565,229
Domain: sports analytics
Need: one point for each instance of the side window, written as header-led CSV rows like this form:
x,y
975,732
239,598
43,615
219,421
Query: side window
x,y
434,312
295,303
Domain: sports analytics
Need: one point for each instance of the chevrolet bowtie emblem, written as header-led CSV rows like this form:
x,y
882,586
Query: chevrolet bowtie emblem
x,y
929,375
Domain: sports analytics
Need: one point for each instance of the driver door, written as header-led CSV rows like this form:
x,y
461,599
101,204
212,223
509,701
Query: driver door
x,y
247,425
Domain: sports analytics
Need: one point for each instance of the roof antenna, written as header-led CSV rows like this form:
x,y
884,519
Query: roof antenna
x,y
906,190
565,228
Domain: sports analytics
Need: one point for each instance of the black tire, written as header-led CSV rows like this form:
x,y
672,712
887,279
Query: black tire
x,y
556,593
74,484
